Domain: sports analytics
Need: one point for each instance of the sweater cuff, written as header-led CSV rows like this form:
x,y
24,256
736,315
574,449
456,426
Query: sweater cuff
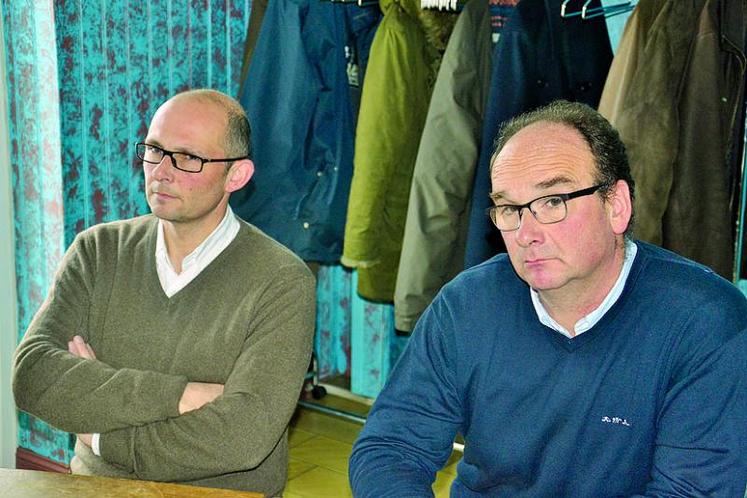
x,y
116,448
172,392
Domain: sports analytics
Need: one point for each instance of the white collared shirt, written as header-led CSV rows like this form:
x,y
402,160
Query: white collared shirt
x,y
196,261
192,265
588,321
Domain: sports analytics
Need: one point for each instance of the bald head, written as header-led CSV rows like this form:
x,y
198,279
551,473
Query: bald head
x,y
237,136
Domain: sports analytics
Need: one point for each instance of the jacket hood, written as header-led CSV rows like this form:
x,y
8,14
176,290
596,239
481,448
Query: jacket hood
x,y
437,25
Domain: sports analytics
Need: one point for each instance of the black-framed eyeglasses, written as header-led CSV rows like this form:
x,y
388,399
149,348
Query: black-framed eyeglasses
x,y
183,161
547,209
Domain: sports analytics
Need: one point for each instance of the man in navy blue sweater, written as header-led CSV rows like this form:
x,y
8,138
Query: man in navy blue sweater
x,y
581,364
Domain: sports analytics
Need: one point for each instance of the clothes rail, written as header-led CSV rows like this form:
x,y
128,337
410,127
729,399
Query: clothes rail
x,y
359,3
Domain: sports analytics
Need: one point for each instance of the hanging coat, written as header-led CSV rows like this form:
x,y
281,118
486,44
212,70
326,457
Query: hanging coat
x,y
540,57
252,33
298,101
402,69
438,208
674,92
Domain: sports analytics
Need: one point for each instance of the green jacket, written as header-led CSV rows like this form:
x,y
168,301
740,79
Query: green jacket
x,y
438,210
402,69
246,321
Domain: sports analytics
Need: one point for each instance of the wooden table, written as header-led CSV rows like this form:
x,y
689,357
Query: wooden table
x,y
37,484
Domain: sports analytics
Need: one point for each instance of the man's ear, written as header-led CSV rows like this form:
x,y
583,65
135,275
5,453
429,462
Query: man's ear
x,y
619,207
239,175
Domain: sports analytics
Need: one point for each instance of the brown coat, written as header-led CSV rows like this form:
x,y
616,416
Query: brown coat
x,y
673,92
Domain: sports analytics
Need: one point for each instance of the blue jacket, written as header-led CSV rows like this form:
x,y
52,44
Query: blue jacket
x,y
299,103
648,402
540,57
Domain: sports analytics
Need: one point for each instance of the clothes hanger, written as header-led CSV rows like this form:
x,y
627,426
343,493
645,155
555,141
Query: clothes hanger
x,y
609,11
587,12
452,5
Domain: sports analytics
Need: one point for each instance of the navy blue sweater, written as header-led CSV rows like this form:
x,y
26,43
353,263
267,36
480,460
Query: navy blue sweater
x,y
647,402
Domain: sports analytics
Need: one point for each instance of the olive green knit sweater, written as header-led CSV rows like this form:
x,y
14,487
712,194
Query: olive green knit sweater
x,y
246,321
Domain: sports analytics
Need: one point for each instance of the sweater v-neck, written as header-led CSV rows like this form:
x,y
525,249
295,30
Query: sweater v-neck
x,y
152,278
605,323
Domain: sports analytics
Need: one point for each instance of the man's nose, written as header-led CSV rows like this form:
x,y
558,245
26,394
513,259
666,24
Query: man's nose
x,y
164,169
530,230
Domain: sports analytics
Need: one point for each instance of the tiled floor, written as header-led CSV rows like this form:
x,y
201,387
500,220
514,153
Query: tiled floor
x,y
319,450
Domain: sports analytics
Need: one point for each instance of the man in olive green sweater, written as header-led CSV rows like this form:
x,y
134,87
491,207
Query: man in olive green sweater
x,y
175,344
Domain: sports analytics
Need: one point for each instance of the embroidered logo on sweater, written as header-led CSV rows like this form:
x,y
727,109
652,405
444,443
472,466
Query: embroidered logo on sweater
x,y
615,421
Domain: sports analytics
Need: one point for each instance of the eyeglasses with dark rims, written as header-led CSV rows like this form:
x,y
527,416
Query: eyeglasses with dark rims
x,y
547,209
183,161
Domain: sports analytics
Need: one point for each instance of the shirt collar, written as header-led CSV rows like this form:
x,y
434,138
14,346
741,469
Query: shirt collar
x,y
221,236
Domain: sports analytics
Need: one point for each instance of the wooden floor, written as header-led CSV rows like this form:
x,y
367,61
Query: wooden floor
x,y
320,446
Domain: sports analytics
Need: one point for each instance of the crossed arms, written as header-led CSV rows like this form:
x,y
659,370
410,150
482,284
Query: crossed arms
x,y
195,395
166,418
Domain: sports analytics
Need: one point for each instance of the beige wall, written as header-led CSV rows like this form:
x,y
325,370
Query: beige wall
x,y
8,325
